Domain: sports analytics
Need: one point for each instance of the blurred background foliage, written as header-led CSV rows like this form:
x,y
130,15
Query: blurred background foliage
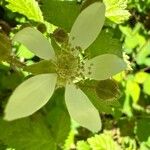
x,y
126,122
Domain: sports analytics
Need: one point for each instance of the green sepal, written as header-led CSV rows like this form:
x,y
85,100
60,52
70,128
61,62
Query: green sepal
x,y
89,87
107,89
44,66
5,47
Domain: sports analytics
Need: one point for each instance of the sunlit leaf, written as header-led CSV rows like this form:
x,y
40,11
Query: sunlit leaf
x,y
103,142
146,86
116,10
134,90
30,96
28,8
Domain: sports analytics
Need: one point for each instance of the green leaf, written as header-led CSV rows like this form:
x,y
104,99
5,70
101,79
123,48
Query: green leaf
x,y
88,25
23,52
41,67
59,121
105,43
27,134
58,117
116,10
5,47
28,8
61,13
146,86
35,41
104,66
81,109
143,129
143,55
133,89
30,96
82,145
103,142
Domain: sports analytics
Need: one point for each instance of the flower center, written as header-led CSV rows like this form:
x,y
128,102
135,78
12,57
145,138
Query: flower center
x,y
69,66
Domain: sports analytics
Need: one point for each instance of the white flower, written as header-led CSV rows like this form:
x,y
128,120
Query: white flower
x,y
35,92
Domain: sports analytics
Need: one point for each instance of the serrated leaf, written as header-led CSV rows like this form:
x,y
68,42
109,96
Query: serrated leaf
x,y
30,96
27,134
81,109
57,117
61,13
105,43
28,8
41,67
116,10
103,142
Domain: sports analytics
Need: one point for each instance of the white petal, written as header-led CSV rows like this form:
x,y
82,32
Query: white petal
x,y
30,96
104,66
35,42
81,109
88,25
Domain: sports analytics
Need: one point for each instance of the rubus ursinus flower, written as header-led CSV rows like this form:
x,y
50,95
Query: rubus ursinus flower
x,y
71,67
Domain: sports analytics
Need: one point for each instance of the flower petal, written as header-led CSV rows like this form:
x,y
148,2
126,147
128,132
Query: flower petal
x,y
88,25
35,42
30,96
81,109
104,66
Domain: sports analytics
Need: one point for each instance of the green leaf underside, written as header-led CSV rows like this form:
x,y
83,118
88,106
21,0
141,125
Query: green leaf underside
x,y
35,42
104,66
88,25
81,109
27,134
105,43
60,13
30,96
41,67
28,8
